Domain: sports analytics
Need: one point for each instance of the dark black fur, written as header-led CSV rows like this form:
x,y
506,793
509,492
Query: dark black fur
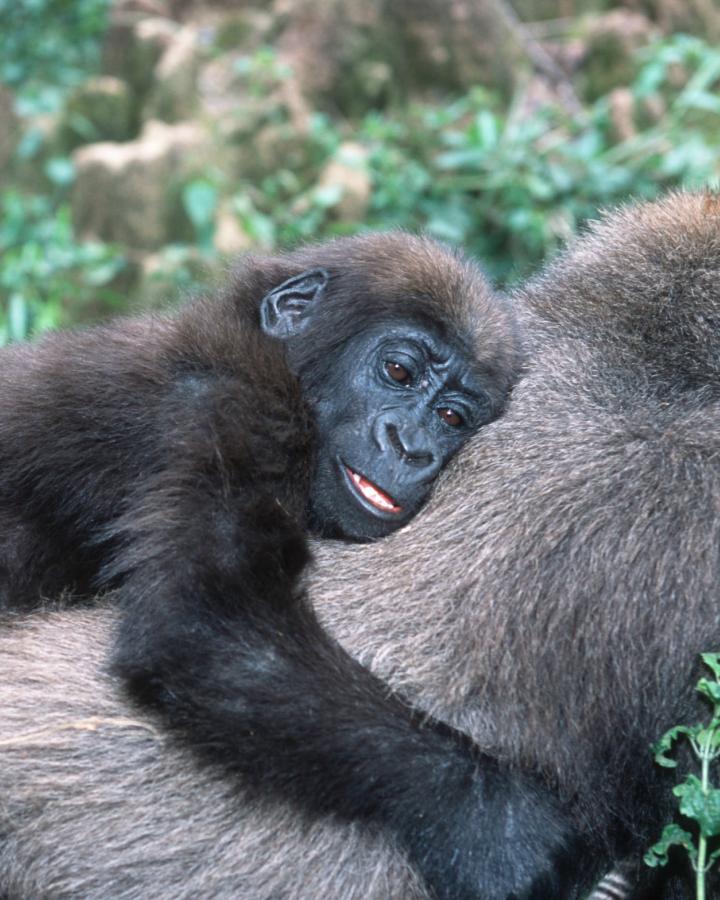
x,y
169,458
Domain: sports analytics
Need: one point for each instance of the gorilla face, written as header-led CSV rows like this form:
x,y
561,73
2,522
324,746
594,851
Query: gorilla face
x,y
396,404
393,400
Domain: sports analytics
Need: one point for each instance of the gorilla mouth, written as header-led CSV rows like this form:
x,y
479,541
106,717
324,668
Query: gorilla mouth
x,y
371,493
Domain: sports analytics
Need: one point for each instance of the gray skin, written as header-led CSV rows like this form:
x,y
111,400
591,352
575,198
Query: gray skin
x,y
551,601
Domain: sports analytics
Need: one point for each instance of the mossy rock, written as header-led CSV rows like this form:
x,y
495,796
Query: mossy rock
x,y
612,43
174,96
9,133
244,28
273,147
132,49
101,109
170,275
128,192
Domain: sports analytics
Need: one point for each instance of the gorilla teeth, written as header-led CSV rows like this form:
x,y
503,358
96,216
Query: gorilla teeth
x,y
373,494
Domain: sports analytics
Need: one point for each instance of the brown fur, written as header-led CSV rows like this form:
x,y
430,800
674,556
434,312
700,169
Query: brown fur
x,y
551,601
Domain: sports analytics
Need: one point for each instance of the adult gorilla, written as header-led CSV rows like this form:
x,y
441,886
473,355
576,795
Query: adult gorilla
x,y
551,602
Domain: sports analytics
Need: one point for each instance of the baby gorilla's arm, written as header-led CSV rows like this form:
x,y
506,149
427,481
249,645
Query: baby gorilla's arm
x,y
218,639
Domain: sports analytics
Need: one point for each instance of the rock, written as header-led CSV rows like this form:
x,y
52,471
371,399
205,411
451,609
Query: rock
x,y
168,276
156,35
323,43
219,87
621,105
230,238
612,43
356,56
141,8
9,130
347,171
269,149
701,17
653,109
243,28
133,47
174,94
130,192
100,109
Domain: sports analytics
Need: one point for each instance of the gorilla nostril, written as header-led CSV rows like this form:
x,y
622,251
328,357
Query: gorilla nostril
x,y
413,455
420,459
394,439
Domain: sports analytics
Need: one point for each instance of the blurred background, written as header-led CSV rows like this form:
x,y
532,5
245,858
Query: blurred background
x,y
144,143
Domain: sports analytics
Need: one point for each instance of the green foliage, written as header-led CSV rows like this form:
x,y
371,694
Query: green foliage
x,y
49,40
509,185
44,270
262,71
287,205
48,45
699,801
513,187
685,68
200,199
48,277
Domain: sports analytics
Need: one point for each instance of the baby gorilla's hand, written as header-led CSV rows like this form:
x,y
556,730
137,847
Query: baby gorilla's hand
x,y
500,836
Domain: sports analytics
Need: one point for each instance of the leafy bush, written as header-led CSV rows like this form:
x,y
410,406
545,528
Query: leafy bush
x,y
49,42
47,278
698,798
508,185
513,188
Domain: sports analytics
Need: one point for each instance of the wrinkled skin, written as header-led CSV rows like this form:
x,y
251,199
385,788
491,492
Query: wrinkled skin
x,y
392,400
395,434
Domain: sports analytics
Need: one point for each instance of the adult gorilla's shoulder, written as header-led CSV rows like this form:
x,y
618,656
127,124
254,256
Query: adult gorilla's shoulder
x,y
551,601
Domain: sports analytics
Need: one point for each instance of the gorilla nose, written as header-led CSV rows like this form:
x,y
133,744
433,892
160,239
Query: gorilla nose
x,y
410,443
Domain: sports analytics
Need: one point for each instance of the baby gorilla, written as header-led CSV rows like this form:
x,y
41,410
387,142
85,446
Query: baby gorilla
x,y
392,391
179,461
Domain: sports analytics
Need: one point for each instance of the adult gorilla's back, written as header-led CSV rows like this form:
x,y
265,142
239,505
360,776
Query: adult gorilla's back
x,y
551,601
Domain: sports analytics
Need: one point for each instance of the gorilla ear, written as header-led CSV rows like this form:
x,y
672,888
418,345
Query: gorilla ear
x,y
285,311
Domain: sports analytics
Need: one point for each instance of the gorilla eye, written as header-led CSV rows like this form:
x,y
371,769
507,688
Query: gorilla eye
x,y
397,372
451,417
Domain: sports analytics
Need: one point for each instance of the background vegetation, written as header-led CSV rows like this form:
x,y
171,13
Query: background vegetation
x,y
148,141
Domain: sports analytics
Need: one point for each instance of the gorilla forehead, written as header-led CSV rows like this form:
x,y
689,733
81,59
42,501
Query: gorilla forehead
x,y
391,275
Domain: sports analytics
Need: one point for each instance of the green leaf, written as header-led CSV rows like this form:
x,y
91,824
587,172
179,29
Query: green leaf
x,y
104,272
705,76
700,100
703,808
708,737
460,159
672,836
327,195
486,129
30,143
60,170
200,200
712,661
18,318
709,689
666,742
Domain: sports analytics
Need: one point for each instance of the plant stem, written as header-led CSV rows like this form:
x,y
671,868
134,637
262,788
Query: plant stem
x,y
706,757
